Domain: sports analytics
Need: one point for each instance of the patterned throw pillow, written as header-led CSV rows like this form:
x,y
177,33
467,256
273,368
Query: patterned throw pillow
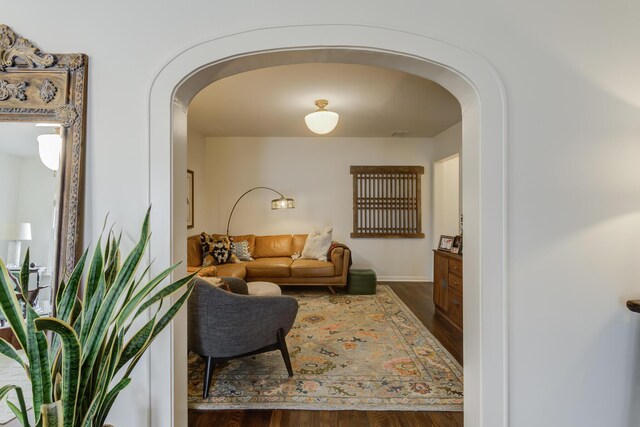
x,y
216,251
241,250
317,245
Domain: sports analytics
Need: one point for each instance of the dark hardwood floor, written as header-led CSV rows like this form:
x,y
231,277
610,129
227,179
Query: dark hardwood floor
x,y
418,297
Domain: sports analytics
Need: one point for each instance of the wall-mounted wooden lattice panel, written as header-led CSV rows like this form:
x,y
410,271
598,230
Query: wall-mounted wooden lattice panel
x,y
386,201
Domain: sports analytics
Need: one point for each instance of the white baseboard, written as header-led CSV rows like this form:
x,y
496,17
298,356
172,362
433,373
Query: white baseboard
x,y
405,279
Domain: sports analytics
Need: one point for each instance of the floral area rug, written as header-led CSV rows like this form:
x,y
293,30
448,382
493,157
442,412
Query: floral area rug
x,y
349,352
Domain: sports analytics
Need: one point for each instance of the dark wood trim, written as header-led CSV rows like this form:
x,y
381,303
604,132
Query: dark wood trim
x,y
389,235
387,202
387,169
448,254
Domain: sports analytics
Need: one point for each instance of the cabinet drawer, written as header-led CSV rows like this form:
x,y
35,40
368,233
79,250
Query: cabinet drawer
x,y
455,267
455,307
455,283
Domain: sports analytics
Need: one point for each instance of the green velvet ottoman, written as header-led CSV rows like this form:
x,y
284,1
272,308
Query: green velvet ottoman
x,y
361,282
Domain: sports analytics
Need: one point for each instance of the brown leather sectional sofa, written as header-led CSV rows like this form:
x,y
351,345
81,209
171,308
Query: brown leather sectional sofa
x,y
273,262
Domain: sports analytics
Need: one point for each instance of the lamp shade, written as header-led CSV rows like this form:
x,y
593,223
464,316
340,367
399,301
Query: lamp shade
x,y
21,231
49,147
283,203
321,121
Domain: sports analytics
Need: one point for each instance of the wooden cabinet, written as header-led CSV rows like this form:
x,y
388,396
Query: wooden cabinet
x,y
447,286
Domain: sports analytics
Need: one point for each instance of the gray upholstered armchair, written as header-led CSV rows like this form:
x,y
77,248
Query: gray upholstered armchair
x,y
225,325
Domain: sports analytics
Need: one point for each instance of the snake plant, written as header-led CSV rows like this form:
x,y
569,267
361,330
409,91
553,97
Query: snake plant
x,y
81,359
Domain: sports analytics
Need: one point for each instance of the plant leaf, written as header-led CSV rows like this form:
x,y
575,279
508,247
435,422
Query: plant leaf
x,y
9,351
135,286
71,356
162,323
11,307
19,415
52,414
24,278
113,261
100,328
38,372
132,303
136,343
24,418
166,291
68,300
110,398
45,366
92,309
95,272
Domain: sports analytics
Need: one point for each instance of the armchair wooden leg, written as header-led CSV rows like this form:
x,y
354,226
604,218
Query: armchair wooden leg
x,y
208,372
282,345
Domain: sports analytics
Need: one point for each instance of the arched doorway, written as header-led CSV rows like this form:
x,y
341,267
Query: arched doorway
x,y
464,74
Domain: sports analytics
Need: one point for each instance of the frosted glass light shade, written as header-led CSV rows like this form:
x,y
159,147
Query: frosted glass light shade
x,y
321,121
49,148
283,203
20,231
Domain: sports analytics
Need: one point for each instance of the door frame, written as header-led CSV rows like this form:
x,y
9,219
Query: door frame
x,y
464,73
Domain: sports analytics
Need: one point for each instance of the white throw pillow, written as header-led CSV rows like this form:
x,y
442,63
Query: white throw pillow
x,y
317,245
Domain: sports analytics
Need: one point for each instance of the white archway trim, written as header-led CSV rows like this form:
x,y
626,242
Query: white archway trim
x,y
471,79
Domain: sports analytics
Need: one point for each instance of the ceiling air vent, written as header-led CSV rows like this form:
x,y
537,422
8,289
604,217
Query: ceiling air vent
x,y
400,133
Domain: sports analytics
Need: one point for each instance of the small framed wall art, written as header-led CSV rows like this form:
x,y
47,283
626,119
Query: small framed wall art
x,y
190,210
446,243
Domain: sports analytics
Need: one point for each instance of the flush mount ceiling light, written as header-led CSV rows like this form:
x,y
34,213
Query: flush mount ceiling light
x,y
321,121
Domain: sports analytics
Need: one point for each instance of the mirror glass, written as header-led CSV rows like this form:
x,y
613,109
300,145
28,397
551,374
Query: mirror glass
x,y
29,214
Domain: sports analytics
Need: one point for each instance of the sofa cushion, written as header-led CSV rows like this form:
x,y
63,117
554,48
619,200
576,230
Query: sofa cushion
x,y
298,243
194,251
269,267
273,246
232,270
311,268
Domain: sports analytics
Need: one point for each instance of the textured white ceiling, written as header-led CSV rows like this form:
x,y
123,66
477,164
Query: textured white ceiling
x,y
371,102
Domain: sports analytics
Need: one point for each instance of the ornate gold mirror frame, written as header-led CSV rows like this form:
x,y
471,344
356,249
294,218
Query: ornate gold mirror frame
x,y
43,87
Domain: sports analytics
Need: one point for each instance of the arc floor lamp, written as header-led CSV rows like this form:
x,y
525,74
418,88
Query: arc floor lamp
x,y
281,203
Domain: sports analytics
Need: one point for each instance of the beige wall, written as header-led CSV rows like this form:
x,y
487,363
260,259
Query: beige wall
x,y
573,215
197,162
315,172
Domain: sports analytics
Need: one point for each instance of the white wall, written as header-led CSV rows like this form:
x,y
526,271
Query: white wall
x,y
29,190
315,172
570,73
37,188
9,170
446,198
446,145
197,162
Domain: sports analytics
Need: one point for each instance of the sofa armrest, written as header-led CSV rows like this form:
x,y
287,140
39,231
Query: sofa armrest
x,y
210,271
338,260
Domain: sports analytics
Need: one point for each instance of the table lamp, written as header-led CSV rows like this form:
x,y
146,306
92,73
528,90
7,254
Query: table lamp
x,y
15,233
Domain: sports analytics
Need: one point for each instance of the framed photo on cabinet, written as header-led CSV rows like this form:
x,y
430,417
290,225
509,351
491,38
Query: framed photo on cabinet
x,y
446,243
